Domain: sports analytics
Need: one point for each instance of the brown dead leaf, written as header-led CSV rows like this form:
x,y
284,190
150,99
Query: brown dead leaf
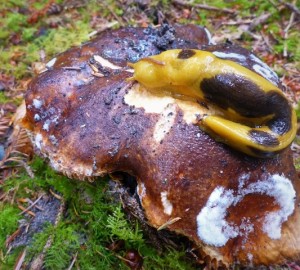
x,y
6,81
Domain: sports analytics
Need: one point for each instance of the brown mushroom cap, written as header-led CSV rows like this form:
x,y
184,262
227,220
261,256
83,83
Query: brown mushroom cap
x,y
88,121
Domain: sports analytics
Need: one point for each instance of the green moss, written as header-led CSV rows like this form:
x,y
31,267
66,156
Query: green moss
x,y
298,111
65,243
93,221
3,98
8,221
120,228
15,21
9,260
52,41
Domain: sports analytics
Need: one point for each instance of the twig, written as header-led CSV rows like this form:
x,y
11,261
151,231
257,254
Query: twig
x,y
55,195
237,22
12,237
266,41
168,223
203,6
73,261
26,211
290,6
103,28
30,206
286,34
114,14
260,20
20,260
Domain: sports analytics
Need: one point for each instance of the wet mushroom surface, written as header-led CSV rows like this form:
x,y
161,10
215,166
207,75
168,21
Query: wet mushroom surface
x,y
88,120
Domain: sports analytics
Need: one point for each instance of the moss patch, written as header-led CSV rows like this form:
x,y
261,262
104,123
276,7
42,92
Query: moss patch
x,y
91,223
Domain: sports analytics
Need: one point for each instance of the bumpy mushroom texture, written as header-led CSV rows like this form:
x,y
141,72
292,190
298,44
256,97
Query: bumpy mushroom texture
x,y
88,120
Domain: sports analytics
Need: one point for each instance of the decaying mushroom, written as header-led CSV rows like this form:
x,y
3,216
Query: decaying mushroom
x,y
88,120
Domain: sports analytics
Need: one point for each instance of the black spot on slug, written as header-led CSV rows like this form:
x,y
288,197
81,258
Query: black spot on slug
x,y
185,54
263,154
247,99
236,92
263,138
282,122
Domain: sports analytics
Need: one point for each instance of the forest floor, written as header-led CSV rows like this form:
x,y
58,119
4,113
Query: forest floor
x,y
74,232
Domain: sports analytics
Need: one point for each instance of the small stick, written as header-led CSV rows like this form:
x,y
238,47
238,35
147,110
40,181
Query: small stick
x,y
168,223
12,237
260,20
203,6
26,211
114,14
73,261
266,41
55,195
20,260
290,6
33,204
103,28
286,34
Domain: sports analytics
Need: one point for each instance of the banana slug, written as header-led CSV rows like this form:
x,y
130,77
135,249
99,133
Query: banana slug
x,y
257,118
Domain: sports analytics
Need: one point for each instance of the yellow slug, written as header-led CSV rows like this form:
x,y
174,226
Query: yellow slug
x,y
257,118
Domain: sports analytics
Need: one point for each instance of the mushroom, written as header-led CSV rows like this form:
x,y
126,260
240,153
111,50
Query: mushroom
x,y
88,120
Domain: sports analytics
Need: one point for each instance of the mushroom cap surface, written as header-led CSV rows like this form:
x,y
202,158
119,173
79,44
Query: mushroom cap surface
x,y
88,120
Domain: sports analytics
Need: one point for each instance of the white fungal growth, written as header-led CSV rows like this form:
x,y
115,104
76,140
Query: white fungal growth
x,y
46,125
51,63
37,103
250,257
236,56
38,141
168,206
283,191
53,140
37,117
212,227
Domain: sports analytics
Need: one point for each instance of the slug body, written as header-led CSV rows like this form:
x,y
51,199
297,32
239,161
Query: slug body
x,y
256,118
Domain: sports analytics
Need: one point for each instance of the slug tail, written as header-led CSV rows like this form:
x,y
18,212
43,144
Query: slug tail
x,y
258,142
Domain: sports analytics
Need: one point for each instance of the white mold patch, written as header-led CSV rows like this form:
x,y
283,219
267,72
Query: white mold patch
x,y
164,123
46,125
37,117
53,140
283,191
236,56
37,103
51,63
212,227
168,206
250,257
38,141
264,70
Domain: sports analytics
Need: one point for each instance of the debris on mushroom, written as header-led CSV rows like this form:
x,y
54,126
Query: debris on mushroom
x,y
235,208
